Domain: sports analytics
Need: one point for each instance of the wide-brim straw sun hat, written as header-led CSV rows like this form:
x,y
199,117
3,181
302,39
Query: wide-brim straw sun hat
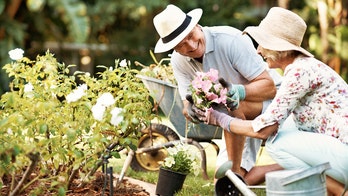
x,y
173,25
280,30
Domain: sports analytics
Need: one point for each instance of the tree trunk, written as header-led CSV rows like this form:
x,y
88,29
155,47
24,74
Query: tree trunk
x,y
324,26
11,11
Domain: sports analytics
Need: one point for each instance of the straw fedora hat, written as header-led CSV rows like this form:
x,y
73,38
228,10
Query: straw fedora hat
x,y
173,25
280,30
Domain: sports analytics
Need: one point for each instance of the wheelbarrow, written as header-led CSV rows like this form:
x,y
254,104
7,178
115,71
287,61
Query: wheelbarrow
x,y
151,146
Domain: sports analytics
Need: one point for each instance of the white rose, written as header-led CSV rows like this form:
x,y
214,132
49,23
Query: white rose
x,y
98,112
28,90
123,63
116,116
106,99
16,54
28,87
76,94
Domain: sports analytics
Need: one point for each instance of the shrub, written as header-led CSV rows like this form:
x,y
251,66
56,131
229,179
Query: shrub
x,y
52,126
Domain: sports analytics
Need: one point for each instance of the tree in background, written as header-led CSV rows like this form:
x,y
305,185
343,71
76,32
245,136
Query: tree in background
x,y
329,32
76,28
91,32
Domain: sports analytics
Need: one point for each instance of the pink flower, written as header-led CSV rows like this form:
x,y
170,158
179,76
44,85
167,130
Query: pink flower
x,y
207,90
197,81
206,86
213,75
212,97
223,95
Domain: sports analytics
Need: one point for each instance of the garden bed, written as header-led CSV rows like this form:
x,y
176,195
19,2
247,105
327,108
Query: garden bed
x,y
94,188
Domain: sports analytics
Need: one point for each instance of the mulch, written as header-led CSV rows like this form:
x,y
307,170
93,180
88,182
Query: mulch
x,y
94,188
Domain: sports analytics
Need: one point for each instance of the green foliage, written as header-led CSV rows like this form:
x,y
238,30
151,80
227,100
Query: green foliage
x,y
47,113
161,70
126,28
340,41
2,6
74,15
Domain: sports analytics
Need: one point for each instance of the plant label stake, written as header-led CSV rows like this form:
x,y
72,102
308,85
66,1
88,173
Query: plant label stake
x,y
107,171
110,171
225,170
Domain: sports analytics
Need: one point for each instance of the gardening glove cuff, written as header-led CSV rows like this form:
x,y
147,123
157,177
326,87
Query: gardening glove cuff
x,y
235,93
238,88
214,117
220,119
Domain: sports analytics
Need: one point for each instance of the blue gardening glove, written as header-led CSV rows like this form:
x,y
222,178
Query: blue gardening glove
x,y
214,117
190,112
235,94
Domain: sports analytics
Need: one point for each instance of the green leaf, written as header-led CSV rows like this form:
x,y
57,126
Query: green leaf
x,y
3,121
74,15
2,6
132,146
61,191
43,128
116,154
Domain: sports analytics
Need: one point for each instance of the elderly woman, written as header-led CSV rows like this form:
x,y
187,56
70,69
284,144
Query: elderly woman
x,y
315,95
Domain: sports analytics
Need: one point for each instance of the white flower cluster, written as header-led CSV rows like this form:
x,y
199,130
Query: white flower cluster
x,y
76,94
16,54
191,155
28,90
104,101
123,63
98,110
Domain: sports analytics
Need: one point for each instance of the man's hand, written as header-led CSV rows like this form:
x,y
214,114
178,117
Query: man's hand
x,y
188,112
214,117
235,94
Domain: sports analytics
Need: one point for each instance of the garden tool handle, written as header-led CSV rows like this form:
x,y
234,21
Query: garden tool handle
x,y
126,165
243,188
305,173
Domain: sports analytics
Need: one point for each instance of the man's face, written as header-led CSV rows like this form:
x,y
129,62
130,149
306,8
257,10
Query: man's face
x,y
193,45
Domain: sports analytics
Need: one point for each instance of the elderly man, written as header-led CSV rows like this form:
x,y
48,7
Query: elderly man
x,y
233,54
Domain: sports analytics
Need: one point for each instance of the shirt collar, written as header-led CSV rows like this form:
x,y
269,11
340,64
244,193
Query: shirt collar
x,y
209,40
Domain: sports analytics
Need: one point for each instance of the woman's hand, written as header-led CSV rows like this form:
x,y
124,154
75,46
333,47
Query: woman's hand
x,y
217,117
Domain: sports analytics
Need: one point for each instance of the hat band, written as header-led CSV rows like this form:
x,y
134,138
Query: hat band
x,y
177,31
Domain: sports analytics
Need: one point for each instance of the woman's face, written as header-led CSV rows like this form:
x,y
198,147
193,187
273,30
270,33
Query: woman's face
x,y
265,55
193,45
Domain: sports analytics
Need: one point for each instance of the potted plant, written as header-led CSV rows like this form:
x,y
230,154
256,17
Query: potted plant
x,y
180,161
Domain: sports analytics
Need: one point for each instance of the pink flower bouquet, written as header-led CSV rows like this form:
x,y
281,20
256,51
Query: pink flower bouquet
x,y
207,90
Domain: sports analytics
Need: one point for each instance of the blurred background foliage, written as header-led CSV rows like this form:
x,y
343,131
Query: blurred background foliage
x,y
96,32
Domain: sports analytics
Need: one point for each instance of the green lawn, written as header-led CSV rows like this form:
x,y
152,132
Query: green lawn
x,y
193,185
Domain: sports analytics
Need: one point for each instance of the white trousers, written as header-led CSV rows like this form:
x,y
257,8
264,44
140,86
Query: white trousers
x,y
251,148
293,149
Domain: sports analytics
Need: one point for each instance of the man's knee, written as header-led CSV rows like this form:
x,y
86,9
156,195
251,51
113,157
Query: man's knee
x,y
250,109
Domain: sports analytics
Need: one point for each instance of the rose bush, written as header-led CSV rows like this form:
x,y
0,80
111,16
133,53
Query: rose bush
x,y
58,129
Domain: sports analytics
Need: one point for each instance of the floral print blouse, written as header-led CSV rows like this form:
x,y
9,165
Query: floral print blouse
x,y
315,94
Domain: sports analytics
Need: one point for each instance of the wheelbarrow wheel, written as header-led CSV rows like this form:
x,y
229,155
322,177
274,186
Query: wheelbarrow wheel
x,y
156,134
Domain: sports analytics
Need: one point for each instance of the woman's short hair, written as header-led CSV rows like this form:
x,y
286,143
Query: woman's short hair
x,y
278,55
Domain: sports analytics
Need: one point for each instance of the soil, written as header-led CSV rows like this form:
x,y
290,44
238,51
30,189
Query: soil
x,y
94,188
